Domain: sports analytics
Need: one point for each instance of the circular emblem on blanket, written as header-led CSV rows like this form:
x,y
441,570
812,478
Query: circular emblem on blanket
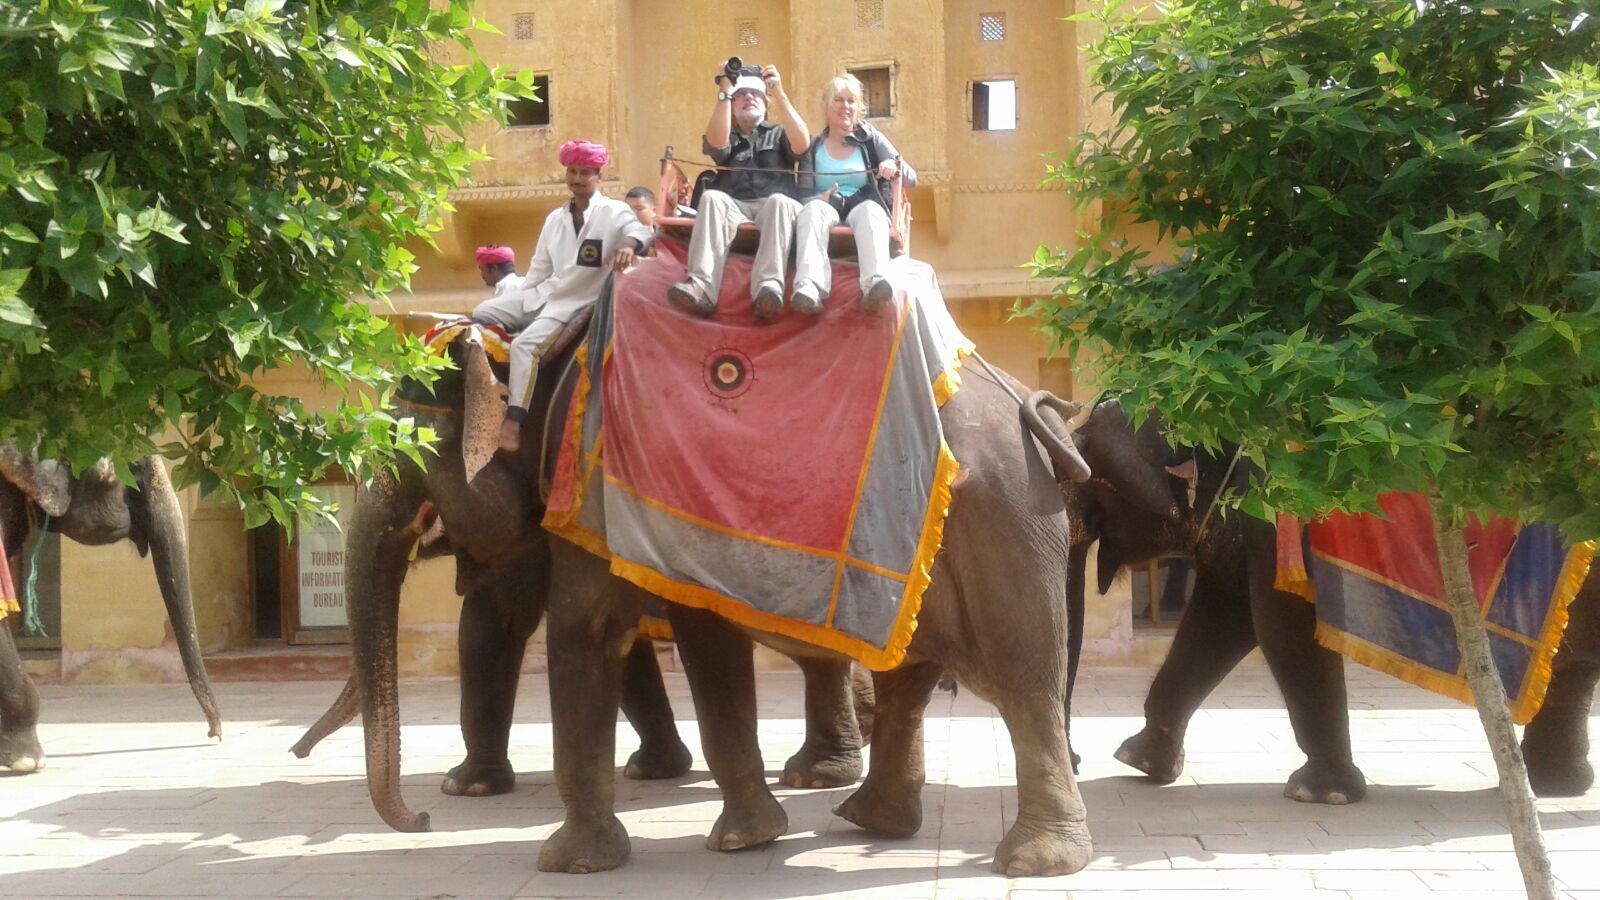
x,y
728,372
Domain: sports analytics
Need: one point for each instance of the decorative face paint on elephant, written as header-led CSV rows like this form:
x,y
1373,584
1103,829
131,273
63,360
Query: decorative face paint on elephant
x,y
993,617
1137,506
94,509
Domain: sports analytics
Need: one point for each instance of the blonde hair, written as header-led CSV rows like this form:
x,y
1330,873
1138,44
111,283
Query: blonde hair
x,y
840,84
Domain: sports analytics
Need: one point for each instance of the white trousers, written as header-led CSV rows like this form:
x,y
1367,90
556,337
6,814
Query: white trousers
x,y
811,266
718,219
527,348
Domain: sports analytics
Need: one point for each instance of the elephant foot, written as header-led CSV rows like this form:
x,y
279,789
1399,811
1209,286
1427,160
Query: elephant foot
x,y
821,768
1035,850
1152,751
894,811
753,823
475,779
1558,778
21,753
1335,784
650,763
584,846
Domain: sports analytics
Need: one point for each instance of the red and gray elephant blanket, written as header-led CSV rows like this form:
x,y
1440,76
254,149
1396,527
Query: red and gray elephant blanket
x,y
790,476
1380,596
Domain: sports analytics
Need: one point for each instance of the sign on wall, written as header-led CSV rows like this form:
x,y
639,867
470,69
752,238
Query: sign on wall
x,y
317,570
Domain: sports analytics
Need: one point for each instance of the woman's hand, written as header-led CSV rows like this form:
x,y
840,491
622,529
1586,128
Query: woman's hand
x,y
888,170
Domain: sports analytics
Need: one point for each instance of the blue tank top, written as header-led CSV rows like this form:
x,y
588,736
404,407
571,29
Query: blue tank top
x,y
829,171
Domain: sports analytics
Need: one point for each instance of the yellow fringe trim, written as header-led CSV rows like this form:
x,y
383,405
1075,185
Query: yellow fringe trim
x,y
498,350
1573,573
8,604
1295,580
873,657
655,629
1535,683
949,381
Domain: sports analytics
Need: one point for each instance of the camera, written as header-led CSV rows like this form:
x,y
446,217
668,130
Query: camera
x,y
735,67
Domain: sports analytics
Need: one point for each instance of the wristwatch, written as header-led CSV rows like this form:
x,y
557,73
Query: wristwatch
x,y
723,95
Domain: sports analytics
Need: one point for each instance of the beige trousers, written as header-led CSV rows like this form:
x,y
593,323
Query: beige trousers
x,y
527,348
716,221
811,266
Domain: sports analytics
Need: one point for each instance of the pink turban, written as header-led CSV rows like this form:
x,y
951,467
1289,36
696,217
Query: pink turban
x,y
583,153
494,254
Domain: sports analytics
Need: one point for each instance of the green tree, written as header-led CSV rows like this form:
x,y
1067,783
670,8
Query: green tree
x,y
1389,219
194,193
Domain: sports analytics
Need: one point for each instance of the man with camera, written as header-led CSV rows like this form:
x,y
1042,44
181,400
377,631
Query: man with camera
x,y
757,183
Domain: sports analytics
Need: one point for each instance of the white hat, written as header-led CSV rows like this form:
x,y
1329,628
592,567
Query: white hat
x,y
749,83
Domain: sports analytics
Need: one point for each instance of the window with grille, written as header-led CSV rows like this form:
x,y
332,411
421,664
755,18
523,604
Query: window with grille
x,y
522,26
531,113
992,26
877,90
994,105
869,13
745,34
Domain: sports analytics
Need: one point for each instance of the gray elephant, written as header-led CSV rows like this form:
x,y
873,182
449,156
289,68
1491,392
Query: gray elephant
x,y
94,508
1138,507
993,617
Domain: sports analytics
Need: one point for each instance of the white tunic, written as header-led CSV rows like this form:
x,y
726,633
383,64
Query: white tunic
x,y
569,267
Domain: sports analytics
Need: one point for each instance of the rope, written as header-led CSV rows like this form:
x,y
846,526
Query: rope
x,y
32,625
996,376
1216,498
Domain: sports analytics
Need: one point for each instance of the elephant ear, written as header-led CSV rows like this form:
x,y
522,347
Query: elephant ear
x,y
484,407
45,482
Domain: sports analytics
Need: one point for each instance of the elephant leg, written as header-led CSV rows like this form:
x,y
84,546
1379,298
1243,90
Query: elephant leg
x,y
1214,634
722,679
661,753
831,755
1051,833
889,801
593,619
1556,743
496,621
19,709
1311,679
169,549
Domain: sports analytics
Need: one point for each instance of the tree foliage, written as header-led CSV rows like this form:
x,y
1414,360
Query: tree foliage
x,y
193,193
1389,219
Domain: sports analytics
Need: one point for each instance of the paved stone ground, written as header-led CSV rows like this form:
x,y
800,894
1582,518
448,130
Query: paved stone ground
x,y
136,802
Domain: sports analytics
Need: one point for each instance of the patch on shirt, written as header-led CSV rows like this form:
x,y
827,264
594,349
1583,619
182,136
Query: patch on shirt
x,y
589,253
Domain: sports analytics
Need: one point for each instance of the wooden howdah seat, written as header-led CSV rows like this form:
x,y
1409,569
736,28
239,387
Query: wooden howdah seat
x,y
677,189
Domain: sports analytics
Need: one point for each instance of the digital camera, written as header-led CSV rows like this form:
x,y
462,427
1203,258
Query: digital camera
x,y
735,67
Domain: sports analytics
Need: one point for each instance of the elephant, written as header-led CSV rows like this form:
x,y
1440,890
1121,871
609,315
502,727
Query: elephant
x,y
94,508
490,524
994,617
1138,507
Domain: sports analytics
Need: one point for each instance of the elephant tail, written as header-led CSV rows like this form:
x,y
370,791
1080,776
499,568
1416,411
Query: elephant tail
x,y
1068,463
338,715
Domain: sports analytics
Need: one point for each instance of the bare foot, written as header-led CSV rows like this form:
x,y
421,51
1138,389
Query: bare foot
x,y
510,435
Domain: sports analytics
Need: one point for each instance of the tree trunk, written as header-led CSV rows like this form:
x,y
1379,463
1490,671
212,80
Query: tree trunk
x,y
1490,696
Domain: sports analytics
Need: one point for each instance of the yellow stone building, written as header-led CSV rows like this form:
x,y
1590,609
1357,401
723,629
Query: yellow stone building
x,y
975,93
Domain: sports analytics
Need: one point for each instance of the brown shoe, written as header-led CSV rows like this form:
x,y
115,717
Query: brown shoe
x,y
878,295
768,302
805,302
511,435
685,296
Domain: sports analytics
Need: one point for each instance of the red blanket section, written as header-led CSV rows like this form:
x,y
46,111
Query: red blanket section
x,y
757,428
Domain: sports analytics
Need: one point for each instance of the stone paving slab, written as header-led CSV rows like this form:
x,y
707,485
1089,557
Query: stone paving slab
x,y
135,802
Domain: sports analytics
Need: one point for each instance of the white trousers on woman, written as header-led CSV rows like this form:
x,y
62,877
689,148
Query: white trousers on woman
x,y
811,266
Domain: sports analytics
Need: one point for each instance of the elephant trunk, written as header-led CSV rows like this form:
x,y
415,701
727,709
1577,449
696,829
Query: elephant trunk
x,y
1069,464
344,708
169,548
377,549
1077,558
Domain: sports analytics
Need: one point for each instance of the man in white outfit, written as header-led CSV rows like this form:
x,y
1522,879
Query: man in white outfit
x,y
757,184
497,266
581,240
